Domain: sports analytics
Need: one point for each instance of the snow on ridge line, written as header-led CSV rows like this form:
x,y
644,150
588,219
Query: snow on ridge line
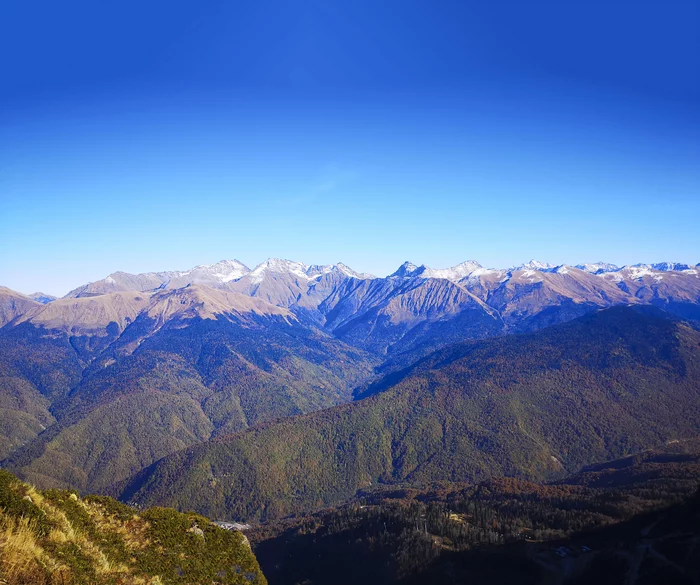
x,y
598,267
223,270
301,270
471,270
536,265
226,271
277,265
454,273
317,270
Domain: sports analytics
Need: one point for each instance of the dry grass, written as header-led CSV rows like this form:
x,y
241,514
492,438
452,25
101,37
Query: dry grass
x,y
57,538
133,531
67,533
22,559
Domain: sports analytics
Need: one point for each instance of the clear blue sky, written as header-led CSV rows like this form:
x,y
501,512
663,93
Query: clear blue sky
x,y
159,135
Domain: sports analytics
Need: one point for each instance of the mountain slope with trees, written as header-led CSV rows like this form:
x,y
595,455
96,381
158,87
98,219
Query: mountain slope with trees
x,y
392,534
95,409
534,406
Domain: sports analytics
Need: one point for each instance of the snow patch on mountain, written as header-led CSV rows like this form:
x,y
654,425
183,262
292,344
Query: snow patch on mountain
x,y
454,274
638,271
279,266
670,267
598,267
486,273
536,265
318,270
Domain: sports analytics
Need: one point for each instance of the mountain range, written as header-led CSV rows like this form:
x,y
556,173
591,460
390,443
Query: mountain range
x,y
225,273
413,307
267,395
121,374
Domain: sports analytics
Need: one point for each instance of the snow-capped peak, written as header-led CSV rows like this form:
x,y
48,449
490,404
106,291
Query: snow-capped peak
x,y
670,266
223,271
317,270
406,269
227,270
350,272
454,273
279,266
598,267
536,265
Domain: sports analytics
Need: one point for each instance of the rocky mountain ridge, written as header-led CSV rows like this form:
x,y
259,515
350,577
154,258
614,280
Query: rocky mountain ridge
x,y
221,274
413,308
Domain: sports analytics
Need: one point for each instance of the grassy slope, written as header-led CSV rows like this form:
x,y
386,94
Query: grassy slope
x,y
532,406
56,537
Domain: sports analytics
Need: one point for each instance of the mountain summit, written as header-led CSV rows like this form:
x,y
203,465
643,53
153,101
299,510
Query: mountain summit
x,y
455,273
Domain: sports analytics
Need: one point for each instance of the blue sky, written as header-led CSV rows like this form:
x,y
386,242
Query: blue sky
x,y
160,135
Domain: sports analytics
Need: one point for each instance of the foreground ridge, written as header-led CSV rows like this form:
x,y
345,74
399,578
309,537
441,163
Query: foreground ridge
x,y
57,537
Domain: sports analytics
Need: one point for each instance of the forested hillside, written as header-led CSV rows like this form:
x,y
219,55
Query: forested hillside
x,y
422,534
535,406
87,419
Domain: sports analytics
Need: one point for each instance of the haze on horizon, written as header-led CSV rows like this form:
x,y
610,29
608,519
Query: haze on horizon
x,y
161,136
